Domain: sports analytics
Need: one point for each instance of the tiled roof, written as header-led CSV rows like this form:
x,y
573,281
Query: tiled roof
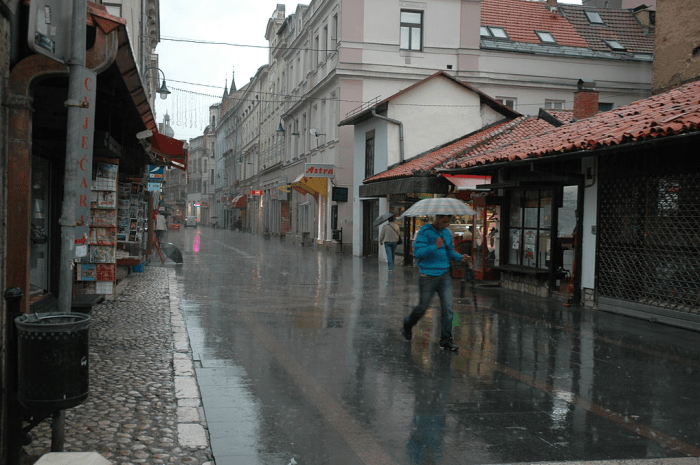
x,y
472,145
573,33
520,19
619,25
671,113
565,116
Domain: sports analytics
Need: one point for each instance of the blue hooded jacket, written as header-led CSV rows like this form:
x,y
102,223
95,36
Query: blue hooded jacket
x,y
432,260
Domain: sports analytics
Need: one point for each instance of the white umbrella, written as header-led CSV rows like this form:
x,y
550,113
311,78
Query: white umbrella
x,y
439,206
382,218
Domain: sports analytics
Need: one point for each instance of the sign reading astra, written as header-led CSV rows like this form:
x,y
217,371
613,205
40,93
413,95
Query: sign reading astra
x,y
319,170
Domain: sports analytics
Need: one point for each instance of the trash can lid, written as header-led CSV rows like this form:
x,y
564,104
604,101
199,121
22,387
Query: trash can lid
x,y
46,322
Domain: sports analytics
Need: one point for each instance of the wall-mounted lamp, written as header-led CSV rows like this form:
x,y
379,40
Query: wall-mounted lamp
x,y
163,90
280,130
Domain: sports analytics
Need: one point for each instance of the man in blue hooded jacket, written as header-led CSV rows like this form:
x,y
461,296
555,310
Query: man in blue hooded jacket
x,y
433,249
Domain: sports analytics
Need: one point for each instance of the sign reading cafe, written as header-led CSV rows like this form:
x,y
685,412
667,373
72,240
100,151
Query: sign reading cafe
x,y
319,170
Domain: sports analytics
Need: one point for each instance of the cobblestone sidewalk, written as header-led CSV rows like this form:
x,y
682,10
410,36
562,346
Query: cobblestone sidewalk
x,y
144,405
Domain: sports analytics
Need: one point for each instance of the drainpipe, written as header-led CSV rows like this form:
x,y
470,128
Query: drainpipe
x,y
400,124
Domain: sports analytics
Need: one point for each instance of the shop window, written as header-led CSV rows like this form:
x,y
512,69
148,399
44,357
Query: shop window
x,y
530,228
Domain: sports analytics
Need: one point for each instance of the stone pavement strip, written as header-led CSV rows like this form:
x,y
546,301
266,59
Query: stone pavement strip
x,y
144,404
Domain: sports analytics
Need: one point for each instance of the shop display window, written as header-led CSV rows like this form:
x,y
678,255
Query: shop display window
x,y
529,237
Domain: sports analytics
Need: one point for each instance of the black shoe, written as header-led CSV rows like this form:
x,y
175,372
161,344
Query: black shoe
x,y
447,344
406,332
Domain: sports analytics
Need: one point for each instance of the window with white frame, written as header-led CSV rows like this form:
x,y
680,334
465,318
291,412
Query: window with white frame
x,y
554,104
546,37
493,31
507,102
411,30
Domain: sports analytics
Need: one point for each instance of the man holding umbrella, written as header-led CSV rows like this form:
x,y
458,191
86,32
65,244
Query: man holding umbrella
x,y
433,248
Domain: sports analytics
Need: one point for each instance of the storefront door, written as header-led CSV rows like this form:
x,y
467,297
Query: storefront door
x,y
41,224
370,234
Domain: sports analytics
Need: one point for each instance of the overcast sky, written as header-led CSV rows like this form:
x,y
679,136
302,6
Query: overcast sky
x,y
196,73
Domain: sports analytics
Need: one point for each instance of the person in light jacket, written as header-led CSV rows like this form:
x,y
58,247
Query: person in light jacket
x,y
433,249
389,236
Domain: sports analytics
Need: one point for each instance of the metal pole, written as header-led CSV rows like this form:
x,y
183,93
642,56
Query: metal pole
x,y
13,437
74,155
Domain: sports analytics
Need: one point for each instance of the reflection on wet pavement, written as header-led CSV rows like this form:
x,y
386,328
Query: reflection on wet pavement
x,y
299,357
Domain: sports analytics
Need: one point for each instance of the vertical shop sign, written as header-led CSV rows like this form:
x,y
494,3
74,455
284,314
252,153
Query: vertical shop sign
x,y
84,168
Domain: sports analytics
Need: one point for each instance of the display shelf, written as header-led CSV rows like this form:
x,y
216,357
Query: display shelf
x,y
96,273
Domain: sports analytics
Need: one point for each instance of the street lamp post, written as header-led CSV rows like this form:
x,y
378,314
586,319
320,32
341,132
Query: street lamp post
x,y
163,89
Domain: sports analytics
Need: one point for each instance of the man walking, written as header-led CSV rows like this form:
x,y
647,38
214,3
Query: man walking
x,y
389,236
433,249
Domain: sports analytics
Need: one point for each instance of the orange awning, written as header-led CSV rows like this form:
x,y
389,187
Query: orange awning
x,y
171,150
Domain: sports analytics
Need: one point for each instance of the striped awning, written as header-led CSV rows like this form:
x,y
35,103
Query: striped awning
x,y
240,201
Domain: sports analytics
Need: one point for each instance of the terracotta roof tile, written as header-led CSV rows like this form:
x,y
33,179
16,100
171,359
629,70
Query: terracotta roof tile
x,y
569,27
671,113
474,144
619,24
520,19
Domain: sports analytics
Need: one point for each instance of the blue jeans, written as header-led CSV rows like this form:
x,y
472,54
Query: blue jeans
x,y
427,286
390,249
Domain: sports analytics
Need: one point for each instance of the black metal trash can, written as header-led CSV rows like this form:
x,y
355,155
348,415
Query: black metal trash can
x,y
53,363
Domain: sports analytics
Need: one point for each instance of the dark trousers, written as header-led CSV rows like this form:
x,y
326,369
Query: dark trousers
x,y
427,286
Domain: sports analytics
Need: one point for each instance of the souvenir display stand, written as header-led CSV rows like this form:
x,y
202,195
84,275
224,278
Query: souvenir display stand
x,y
95,273
132,229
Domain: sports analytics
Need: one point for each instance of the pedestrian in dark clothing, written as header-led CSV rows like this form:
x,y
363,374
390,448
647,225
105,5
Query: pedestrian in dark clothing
x,y
433,248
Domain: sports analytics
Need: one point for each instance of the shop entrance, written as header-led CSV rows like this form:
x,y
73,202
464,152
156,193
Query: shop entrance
x,y
566,243
370,234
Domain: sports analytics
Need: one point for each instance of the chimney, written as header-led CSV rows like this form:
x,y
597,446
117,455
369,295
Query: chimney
x,y
552,6
585,99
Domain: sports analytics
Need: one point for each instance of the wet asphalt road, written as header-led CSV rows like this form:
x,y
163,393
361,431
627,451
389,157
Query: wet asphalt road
x,y
299,359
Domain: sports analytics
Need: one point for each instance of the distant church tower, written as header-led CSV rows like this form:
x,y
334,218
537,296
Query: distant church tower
x,y
165,128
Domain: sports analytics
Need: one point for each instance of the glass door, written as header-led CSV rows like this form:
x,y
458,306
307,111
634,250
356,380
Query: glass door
x,y
40,244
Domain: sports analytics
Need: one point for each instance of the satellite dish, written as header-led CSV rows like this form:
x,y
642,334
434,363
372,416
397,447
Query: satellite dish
x,y
314,132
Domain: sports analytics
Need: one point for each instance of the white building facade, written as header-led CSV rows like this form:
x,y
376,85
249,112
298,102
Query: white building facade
x,y
333,57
